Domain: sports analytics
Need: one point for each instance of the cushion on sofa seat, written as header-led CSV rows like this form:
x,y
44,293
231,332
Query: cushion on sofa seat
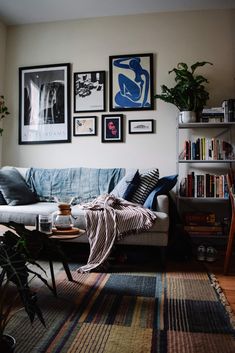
x,y
14,188
164,185
148,182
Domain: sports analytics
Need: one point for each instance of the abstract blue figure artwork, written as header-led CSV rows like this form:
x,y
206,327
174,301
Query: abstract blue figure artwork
x,y
131,86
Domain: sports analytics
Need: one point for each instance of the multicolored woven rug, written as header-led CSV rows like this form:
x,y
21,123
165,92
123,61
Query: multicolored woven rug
x,y
171,312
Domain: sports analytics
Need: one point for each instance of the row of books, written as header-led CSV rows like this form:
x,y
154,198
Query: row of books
x,y
207,149
204,185
204,224
212,115
225,113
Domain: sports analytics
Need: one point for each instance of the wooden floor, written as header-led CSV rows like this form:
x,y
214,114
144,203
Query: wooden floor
x,y
227,283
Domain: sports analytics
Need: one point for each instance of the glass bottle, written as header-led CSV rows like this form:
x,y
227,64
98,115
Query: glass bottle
x,y
63,220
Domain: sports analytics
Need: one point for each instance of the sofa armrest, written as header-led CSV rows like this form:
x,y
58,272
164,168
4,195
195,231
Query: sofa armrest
x,y
162,204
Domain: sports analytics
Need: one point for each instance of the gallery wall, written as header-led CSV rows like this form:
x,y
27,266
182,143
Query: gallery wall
x,y
87,45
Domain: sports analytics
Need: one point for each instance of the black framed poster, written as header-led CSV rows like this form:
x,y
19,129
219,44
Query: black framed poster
x,y
44,104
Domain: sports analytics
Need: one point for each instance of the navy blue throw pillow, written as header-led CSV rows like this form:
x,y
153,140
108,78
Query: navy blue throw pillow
x,y
164,185
132,187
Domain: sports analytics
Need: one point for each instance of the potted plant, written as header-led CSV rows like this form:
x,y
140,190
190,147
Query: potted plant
x,y
17,249
3,111
189,94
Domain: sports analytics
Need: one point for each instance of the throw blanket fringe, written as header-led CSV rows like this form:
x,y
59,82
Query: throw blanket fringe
x,y
109,218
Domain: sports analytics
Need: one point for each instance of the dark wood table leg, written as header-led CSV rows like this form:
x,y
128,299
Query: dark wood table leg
x,y
53,278
67,271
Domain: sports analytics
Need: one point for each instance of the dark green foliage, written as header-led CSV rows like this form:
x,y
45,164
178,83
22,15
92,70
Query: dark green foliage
x,y
189,92
17,250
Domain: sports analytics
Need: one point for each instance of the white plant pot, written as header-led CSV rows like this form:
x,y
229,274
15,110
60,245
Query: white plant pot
x,y
187,116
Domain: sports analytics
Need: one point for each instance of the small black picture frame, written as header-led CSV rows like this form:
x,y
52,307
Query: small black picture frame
x,y
112,128
89,91
84,126
131,82
44,104
144,126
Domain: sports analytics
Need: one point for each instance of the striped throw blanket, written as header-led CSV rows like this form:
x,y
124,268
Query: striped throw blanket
x,y
108,219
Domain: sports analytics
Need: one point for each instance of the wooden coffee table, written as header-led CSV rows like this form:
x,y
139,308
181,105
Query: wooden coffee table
x,y
63,236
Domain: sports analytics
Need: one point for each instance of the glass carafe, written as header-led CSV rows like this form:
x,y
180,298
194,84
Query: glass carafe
x,y
63,220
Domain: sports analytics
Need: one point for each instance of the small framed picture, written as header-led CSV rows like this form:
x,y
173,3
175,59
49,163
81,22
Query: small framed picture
x,y
131,82
112,128
141,126
84,126
89,91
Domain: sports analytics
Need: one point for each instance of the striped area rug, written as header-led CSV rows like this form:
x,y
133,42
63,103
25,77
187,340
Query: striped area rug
x,y
171,312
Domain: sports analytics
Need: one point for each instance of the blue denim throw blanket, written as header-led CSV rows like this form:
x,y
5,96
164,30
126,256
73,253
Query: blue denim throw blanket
x,y
84,184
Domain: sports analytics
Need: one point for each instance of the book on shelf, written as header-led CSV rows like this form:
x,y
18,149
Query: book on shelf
x,y
205,234
229,110
199,218
204,228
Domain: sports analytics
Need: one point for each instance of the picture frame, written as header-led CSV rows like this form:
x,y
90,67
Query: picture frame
x,y
84,126
44,104
144,126
131,82
112,128
89,91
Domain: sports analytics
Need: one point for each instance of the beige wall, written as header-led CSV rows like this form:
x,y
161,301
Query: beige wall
x,y
87,45
2,68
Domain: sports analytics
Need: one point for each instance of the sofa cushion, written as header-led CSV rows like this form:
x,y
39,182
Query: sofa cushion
x,y
164,185
132,187
148,182
14,188
123,184
2,200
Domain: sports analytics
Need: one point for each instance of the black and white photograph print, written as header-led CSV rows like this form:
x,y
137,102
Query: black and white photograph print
x,y
112,128
141,126
85,126
89,91
44,102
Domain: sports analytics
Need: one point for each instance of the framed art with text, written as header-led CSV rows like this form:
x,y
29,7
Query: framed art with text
x,y
112,128
84,126
141,126
44,104
89,91
131,82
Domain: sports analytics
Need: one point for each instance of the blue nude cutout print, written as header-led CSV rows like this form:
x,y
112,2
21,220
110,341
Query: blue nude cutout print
x,y
134,92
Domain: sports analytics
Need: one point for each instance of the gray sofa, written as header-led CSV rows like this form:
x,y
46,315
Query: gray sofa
x,y
27,214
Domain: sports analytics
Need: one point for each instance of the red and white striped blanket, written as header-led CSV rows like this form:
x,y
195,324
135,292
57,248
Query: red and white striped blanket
x,y
108,219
